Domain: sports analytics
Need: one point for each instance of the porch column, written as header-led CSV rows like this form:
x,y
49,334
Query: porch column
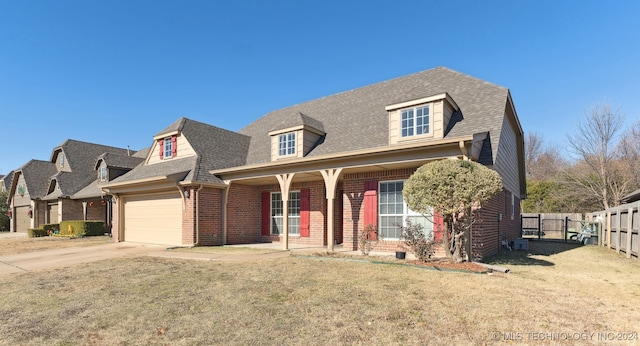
x,y
225,203
285,185
330,177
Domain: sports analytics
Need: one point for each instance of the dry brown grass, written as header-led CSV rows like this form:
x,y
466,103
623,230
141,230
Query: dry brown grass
x,y
14,246
320,301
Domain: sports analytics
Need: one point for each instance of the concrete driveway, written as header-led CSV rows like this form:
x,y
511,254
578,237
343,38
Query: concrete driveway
x,y
48,259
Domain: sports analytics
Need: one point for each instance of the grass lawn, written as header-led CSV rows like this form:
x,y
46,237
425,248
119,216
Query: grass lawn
x,y
13,246
557,291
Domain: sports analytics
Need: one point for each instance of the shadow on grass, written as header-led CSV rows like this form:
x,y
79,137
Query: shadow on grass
x,y
536,248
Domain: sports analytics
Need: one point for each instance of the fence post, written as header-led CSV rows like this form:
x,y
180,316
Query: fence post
x,y
608,225
566,228
539,227
629,232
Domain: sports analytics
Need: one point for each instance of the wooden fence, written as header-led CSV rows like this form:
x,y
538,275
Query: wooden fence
x,y
550,226
620,228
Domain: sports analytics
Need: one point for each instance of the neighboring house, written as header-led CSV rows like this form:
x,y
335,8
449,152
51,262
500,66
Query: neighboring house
x,y
108,166
319,172
50,188
5,181
27,188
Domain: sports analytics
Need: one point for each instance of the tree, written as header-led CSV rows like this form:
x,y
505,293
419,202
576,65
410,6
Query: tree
x,y
4,208
594,142
454,189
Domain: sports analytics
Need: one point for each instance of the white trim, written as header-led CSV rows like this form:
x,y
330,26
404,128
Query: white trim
x,y
281,216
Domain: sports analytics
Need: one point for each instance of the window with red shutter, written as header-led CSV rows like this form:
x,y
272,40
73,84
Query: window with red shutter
x,y
305,205
161,148
370,204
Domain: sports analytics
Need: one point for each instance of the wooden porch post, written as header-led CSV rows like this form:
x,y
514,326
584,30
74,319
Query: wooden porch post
x,y
330,177
285,185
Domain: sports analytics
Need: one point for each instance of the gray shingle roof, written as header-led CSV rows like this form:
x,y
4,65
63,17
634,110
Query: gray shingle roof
x,y
113,160
36,173
215,148
81,157
6,180
357,119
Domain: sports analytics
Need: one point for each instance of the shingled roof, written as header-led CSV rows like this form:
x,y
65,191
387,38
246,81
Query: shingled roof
x,y
215,148
357,119
80,157
114,160
6,180
35,173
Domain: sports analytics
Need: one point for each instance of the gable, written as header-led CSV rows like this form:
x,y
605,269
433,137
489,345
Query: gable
x,y
182,146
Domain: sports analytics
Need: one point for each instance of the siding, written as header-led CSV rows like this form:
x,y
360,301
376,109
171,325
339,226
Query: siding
x,y
507,158
184,150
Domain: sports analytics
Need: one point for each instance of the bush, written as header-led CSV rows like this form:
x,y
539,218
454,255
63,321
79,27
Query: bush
x,y
414,238
36,232
76,229
368,239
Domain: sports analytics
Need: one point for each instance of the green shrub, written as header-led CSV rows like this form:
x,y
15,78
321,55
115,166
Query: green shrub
x,y
36,232
76,229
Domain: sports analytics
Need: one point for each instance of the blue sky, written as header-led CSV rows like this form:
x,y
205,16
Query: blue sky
x,y
117,72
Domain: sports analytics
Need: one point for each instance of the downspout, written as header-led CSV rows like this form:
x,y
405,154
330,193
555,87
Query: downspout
x,y
198,215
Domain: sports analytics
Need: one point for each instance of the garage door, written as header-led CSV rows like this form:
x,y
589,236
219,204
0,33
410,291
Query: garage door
x,y
23,221
52,213
153,219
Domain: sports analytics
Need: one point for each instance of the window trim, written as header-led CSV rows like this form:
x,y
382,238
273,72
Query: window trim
x,y
103,173
167,148
414,119
290,144
272,217
406,211
61,160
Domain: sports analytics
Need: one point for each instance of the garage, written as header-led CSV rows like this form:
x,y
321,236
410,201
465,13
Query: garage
x,y
23,220
153,219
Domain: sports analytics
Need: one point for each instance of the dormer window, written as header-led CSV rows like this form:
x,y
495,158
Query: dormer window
x,y
61,160
415,121
167,147
287,144
103,173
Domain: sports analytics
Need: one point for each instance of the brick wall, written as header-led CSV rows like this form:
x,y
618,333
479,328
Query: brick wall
x,y
489,231
243,214
352,199
210,210
71,209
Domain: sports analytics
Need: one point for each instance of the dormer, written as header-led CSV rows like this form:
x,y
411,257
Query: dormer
x,y
421,119
58,157
169,146
296,137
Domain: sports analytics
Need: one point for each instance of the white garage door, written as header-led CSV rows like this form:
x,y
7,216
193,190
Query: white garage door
x,y
153,219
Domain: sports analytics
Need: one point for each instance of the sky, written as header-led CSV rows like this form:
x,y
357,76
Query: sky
x,y
117,72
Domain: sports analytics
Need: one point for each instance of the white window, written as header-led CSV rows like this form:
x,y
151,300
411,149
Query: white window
x,y
168,147
61,160
103,173
287,144
414,121
393,211
277,213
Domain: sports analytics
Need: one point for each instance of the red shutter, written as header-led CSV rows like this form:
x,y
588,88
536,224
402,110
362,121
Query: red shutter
x,y
266,213
438,226
370,203
305,206
174,146
161,148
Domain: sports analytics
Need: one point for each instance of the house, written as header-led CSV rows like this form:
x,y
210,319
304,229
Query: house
x,y
5,181
27,187
319,172
45,190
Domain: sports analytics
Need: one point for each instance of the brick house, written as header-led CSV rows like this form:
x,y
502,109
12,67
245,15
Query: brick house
x,y
46,190
318,172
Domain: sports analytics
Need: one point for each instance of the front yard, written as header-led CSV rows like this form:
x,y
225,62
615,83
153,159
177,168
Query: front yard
x,y
559,292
